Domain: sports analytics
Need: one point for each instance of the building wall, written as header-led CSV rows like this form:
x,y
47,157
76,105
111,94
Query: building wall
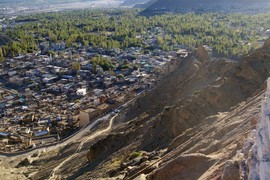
x,y
86,117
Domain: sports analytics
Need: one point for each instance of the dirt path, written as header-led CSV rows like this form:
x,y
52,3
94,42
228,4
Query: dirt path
x,y
54,171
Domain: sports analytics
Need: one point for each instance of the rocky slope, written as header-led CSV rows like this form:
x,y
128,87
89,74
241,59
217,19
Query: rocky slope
x,y
187,127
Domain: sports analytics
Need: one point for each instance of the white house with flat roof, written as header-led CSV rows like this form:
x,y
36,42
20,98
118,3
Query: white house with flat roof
x,y
81,92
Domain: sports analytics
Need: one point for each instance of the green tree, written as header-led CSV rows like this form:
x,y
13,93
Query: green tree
x,y
76,66
120,76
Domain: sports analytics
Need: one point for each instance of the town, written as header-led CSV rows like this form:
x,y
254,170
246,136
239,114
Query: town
x,y
45,98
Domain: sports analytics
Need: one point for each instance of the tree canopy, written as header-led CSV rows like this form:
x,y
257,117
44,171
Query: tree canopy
x,y
229,35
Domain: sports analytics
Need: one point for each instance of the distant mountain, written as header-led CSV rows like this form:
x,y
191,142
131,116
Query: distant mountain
x,y
31,1
40,2
132,3
145,5
205,5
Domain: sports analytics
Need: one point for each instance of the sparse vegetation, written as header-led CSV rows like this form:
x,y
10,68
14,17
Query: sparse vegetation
x,y
134,155
76,66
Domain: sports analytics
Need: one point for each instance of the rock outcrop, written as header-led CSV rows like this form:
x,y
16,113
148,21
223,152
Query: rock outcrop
x,y
259,165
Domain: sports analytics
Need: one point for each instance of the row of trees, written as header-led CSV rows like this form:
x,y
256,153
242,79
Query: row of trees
x,y
229,35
